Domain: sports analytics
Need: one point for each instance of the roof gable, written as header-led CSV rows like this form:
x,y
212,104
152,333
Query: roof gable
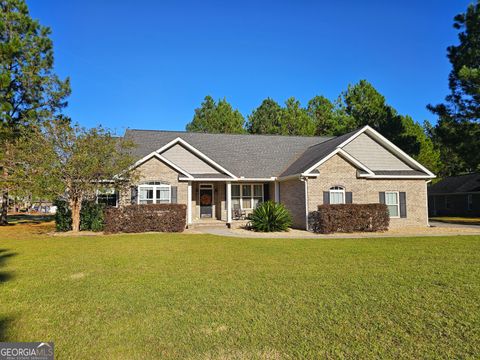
x,y
375,156
188,161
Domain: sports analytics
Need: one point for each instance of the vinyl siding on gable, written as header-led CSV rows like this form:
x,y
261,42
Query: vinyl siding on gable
x,y
188,161
373,155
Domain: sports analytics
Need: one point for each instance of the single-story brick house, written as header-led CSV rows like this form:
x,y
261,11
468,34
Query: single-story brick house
x,y
224,177
455,196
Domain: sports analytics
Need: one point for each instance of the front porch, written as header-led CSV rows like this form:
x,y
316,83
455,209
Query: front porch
x,y
226,202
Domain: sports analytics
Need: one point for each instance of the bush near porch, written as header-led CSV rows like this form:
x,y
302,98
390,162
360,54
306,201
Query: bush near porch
x,y
270,216
144,218
349,218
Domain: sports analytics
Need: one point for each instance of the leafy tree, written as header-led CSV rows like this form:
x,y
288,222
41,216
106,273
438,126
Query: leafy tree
x,y
428,154
329,118
266,119
458,128
30,92
75,162
295,120
218,117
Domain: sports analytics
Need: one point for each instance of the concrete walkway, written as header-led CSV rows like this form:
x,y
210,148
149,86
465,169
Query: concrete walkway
x,y
450,225
434,230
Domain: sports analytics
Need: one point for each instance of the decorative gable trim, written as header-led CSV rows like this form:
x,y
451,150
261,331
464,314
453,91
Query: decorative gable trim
x,y
390,146
345,155
195,151
164,160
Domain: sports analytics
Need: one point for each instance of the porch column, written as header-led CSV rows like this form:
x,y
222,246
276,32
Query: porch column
x,y
229,202
277,191
189,203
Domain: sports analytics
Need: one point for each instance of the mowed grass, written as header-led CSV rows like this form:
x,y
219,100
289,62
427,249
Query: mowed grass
x,y
205,297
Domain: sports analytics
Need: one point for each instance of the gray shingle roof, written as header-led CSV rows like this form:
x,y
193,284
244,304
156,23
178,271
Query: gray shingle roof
x,y
251,156
314,154
457,184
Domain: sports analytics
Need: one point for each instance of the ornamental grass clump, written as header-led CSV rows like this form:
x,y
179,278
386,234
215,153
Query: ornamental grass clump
x,y
270,216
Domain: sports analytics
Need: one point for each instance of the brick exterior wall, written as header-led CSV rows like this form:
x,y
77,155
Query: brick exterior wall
x,y
339,172
292,195
155,170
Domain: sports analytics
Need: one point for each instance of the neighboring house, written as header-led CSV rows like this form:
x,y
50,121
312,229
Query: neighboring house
x,y
220,176
455,196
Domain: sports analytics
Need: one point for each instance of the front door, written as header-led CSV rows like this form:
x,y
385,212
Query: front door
x,y
206,201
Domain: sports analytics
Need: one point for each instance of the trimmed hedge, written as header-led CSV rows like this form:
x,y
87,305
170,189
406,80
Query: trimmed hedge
x,y
143,218
91,216
350,218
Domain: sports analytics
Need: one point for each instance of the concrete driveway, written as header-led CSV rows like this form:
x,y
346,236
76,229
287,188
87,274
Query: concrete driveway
x,y
450,225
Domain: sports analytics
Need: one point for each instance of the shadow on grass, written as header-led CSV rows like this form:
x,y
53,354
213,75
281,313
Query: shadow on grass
x,y
4,256
5,322
29,219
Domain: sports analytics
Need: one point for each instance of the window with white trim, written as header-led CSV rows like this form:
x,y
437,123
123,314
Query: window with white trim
x,y
154,192
246,196
337,195
393,204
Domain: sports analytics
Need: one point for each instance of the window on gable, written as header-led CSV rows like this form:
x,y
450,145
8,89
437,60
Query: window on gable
x,y
337,195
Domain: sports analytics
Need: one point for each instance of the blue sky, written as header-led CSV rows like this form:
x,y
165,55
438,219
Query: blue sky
x,y
148,64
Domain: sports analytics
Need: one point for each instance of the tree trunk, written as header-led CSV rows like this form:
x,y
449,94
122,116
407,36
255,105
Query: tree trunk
x,y
3,215
76,206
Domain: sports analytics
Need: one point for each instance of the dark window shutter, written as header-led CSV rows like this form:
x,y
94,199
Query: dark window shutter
x,y
348,197
266,192
381,197
134,195
403,204
174,194
326,197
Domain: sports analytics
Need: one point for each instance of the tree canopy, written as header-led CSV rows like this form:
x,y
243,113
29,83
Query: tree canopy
x,y
216,117
30,92
458,128
76,161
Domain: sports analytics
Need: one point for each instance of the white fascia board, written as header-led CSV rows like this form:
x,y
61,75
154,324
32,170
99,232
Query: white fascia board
x,y
395,149
368,176
237,180
289,177
343,153
197,152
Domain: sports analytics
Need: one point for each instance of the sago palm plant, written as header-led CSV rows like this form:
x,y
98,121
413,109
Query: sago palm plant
x,y
270,216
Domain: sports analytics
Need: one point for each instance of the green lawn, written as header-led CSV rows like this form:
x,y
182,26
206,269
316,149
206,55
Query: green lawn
x,y
207,297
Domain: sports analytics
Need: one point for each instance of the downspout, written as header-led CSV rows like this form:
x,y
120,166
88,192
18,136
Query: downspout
x,y
305,181
426,197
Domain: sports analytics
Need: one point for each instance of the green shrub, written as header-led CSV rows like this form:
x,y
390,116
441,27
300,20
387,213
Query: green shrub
x,y
63,216
270,216
91,216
